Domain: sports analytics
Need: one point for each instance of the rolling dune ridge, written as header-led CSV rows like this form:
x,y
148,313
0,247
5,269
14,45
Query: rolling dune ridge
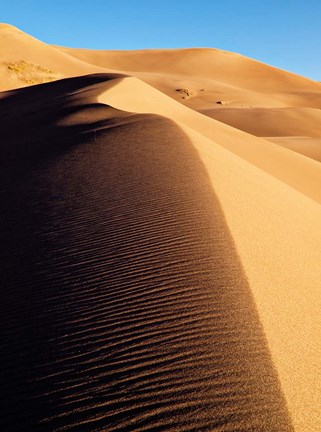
x,y
160,241
136,314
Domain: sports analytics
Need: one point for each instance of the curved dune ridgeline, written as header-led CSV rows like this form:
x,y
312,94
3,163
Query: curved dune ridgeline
x,y
124,305
128,301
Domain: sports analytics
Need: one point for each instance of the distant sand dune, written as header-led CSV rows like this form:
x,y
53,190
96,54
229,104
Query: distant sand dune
x,y
302,174
222,75
278,125
305,145
271,122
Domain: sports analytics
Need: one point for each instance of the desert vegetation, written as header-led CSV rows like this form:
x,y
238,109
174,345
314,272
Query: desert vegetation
x,y
31,73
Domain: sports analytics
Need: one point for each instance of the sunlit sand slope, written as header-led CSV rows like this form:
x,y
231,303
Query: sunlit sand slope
x,y
125,306
209,76
301,173
160,241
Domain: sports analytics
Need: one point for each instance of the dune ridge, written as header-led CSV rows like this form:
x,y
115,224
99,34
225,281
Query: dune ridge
x,y
211,74
277,233
131,341
301,173
160,239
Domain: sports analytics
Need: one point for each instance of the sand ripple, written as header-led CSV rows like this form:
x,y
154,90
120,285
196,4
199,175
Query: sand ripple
x,y
124,305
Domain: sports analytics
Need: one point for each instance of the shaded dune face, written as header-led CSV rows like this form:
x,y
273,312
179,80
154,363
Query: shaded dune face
x,y
124,306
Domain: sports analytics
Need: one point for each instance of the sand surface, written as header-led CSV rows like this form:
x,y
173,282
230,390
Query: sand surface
x,y
160,240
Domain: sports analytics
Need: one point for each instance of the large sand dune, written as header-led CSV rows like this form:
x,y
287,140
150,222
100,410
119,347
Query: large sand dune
x,y
161,267
209,76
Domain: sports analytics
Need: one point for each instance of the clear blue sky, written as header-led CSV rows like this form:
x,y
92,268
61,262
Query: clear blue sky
x,y
283,33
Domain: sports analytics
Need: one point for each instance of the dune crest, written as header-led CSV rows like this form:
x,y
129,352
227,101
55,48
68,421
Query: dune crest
x,y
161,232
301,173
131,279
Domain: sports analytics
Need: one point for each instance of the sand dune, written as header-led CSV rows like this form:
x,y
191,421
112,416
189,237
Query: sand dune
x,y
303,174
298,129
307,146
256,98
160,266
271,122
277,233
211,75
130,279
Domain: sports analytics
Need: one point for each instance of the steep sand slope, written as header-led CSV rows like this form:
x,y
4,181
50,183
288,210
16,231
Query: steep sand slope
x,y
25,60
124,304
72,219
277,233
